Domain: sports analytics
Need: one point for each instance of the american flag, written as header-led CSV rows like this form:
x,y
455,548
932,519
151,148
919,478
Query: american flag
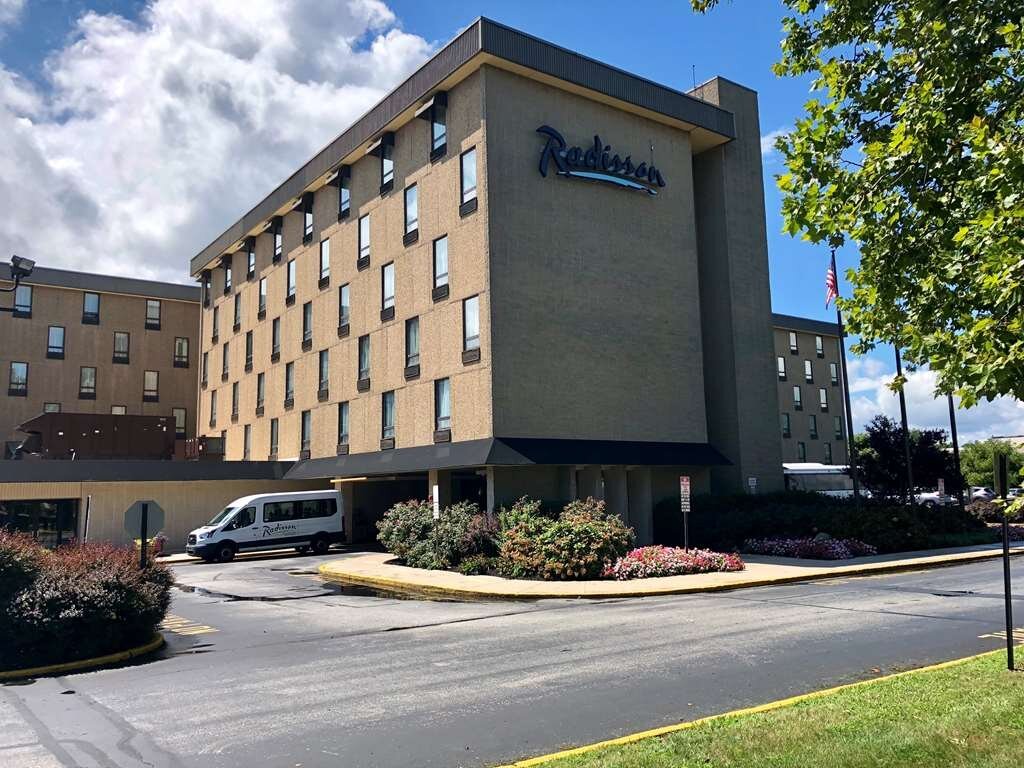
x,y
831,284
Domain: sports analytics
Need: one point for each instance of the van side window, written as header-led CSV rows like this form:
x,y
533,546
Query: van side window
x,y
318,508
278,511
243,518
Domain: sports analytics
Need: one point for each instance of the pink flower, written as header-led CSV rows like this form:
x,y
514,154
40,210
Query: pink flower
x,y
648,562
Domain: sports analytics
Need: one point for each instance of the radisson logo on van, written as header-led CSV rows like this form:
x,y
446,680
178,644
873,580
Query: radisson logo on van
x,y
597,163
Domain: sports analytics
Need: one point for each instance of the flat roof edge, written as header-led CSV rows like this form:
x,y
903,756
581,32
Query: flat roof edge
x,y
794,323
90,281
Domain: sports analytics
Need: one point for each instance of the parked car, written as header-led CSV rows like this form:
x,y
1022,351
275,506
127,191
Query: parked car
x,y
307,520
933,499
1015,493
981,493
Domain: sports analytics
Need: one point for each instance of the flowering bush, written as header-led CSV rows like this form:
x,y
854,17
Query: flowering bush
x,y
75,602
818,548
647,562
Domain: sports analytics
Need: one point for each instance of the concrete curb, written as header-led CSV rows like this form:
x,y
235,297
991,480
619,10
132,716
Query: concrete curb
x,y
84,664
770,706
395,579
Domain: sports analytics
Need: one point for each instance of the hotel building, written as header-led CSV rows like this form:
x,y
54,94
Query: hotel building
x,y
85,343
522,272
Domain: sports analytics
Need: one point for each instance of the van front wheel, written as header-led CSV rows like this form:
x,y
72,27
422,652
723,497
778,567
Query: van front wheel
x,y
320,545
226,553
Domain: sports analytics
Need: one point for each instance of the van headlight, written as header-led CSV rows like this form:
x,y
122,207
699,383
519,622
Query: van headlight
x,y
202,536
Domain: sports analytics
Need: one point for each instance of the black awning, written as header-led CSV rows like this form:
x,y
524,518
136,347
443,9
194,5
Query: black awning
x,y
508,451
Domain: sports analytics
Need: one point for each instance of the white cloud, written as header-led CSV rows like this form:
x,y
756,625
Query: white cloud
x,y
870,395
768,141
154,136
10,10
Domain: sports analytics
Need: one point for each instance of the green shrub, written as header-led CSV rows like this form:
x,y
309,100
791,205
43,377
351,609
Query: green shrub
x,y
21,559
475,565
405,527
82,601
409,531
989,511
522,510
520,555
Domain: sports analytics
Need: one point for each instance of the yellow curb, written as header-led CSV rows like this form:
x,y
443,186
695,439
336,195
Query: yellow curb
x,y
770,706
334,571
72,666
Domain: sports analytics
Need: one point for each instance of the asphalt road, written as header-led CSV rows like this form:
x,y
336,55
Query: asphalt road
x,y
267,666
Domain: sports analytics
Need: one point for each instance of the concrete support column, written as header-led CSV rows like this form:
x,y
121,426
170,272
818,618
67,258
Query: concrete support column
x,y
442,478
615,493
490,491
346,492
588,482
566,484
641,504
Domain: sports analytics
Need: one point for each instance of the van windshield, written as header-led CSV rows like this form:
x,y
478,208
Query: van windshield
x,y
222,515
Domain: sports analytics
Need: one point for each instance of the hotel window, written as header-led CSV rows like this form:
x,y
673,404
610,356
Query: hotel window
x,y
90,309
363,383
180,417
801,451
387,291
215,325
471,329
17,385
23,301
262,308
387,431
273,437
246,442
225,359
823,398
227,275
213,408
784,422
325,263
828,453
153,314
307,217
234,401
438,127
306,435
781,363
467,176
180,352
837,428
55,342
307,326
797,398
150,387
248,351
343,424
289,297
819,346
276,228
387,164
118,410
793,346
412,215
833,373
51,407
344,310
86,383
364,242
261,392
275,340
412,347
250,258
289,385
238,312
324,384
442,407
440,269
344,193
808,372
206,368
812,426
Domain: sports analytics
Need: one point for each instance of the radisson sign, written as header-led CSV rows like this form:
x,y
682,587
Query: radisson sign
x,y
597,163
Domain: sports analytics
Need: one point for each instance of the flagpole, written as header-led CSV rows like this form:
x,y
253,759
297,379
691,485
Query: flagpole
x,y
832,292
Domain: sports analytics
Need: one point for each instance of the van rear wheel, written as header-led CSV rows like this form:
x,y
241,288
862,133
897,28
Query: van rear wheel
x,y
304,549
226,553
321,545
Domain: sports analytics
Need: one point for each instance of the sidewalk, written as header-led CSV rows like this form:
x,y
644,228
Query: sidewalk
x,y
376,570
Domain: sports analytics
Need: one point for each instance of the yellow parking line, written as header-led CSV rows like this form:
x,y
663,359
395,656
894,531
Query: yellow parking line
x,y
182,626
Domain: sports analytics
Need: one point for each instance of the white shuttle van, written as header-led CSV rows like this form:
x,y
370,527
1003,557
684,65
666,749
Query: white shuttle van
x,y
307,520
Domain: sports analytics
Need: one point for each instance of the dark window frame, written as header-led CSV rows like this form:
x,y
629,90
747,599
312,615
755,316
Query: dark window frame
x,y
85,392
90,317
54,352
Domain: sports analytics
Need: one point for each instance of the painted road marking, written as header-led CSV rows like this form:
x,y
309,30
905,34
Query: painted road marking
x,y
179,625
1018,635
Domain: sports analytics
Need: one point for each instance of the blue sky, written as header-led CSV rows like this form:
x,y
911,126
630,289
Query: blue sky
x,y
94,88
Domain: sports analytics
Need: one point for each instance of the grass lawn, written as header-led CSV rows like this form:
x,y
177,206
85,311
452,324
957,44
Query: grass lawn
x,y
971,714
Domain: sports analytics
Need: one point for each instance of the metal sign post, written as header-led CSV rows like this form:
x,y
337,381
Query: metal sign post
x,y
684,507
140,518
1001,483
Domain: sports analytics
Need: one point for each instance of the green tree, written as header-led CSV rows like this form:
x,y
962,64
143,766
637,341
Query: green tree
x,y
976,462
881,460
912,149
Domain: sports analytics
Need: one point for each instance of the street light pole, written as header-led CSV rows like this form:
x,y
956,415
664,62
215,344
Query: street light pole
x,y
906,429
956,451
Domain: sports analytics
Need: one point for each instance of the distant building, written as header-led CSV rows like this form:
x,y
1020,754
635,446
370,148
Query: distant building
x,y
97,344
812,413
